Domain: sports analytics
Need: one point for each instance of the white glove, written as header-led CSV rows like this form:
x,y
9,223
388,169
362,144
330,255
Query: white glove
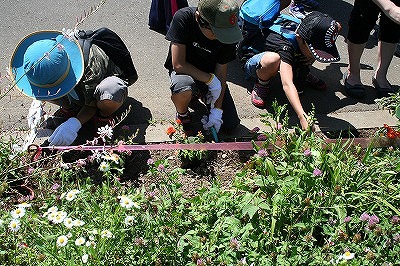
x,y
35,114
65,133
214,90
214,119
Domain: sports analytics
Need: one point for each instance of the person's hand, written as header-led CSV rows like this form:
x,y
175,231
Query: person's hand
x,y
214,90
35,114
306,123
214,119
65,133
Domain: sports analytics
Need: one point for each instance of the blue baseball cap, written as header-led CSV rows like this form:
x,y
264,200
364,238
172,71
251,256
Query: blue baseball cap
x,y
47,65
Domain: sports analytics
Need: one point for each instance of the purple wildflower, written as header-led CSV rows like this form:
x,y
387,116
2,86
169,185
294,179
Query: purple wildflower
x,y
347,219
234,244
307,153
396,238
395,220
125,127
255,130
373,219
262,153
150,161
279,126
199,262
161,168
55,186
317,172
31,170
331,221
364,217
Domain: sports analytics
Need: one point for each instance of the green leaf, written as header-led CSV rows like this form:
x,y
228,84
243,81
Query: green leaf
x,y
250,210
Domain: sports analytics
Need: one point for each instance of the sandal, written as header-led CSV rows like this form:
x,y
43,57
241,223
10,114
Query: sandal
x,y
382,92
356,91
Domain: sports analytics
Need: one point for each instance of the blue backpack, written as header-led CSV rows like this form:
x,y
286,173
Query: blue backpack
x,y
260,12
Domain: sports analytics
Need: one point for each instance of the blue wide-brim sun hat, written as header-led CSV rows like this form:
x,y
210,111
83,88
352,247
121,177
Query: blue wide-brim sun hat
x,y
46,65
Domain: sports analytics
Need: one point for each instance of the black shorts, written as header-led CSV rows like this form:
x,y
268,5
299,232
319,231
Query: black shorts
x,y
363,18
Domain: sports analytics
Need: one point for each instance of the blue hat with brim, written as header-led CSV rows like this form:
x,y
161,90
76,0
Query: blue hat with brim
x,y
47,65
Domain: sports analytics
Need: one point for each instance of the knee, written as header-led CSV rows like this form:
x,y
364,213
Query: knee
x,y
270,61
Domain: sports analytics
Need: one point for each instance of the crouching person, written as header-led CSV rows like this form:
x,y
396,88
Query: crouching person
x,y
203,42
88,86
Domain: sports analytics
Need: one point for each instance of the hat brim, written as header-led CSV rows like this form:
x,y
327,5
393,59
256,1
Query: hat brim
x,y
228,35
75,73
328,55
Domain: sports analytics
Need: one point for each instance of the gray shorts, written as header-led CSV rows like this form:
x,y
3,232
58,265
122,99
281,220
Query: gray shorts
x,y
181,82
253,64
111,88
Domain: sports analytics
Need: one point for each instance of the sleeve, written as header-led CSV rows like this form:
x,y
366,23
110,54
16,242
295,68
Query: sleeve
x,y
177,32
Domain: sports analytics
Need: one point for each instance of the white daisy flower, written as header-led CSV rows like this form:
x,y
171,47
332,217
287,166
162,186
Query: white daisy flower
x,y
62,195
106,234
90,244
115,158
104,167
59,217
24,205
62,241
348,256
107,157
51,216
91,237
69,235
80,241
126,202
15,225
85,258
68,222
50,210
78,223
129,220
76,191
1,222
18,213
70,196
94,232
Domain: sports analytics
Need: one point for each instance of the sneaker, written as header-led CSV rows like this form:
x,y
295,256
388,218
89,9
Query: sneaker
x,y
297,10
186,122
315,83
258,95
312,4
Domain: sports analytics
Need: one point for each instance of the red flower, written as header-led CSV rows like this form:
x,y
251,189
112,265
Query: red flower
x,y
170,130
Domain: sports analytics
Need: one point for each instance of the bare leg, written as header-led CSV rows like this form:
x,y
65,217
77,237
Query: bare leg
x,y
181,101
269,66
385,55
355,52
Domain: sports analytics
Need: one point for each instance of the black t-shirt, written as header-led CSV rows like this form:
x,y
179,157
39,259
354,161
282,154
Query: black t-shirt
x,y
201,52
255,41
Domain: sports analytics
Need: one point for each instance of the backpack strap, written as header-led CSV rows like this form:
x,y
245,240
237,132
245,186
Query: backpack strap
x,y
85,42
286,26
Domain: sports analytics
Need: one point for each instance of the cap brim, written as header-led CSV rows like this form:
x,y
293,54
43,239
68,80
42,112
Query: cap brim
x,y
228,35
328,55
75,73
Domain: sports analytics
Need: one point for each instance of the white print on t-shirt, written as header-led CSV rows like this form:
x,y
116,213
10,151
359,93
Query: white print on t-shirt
x,y
195,44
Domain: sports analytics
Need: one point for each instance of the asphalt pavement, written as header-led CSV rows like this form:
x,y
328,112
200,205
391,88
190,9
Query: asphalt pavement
x,y
150,95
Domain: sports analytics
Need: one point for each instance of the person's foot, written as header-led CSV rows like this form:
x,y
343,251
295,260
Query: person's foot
x,y
297,10
383,88
259,94
315,83
355,90
186,121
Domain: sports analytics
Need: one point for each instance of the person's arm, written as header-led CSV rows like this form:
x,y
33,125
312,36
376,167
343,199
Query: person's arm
x,y
292,95
181,66
389,9
221,72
